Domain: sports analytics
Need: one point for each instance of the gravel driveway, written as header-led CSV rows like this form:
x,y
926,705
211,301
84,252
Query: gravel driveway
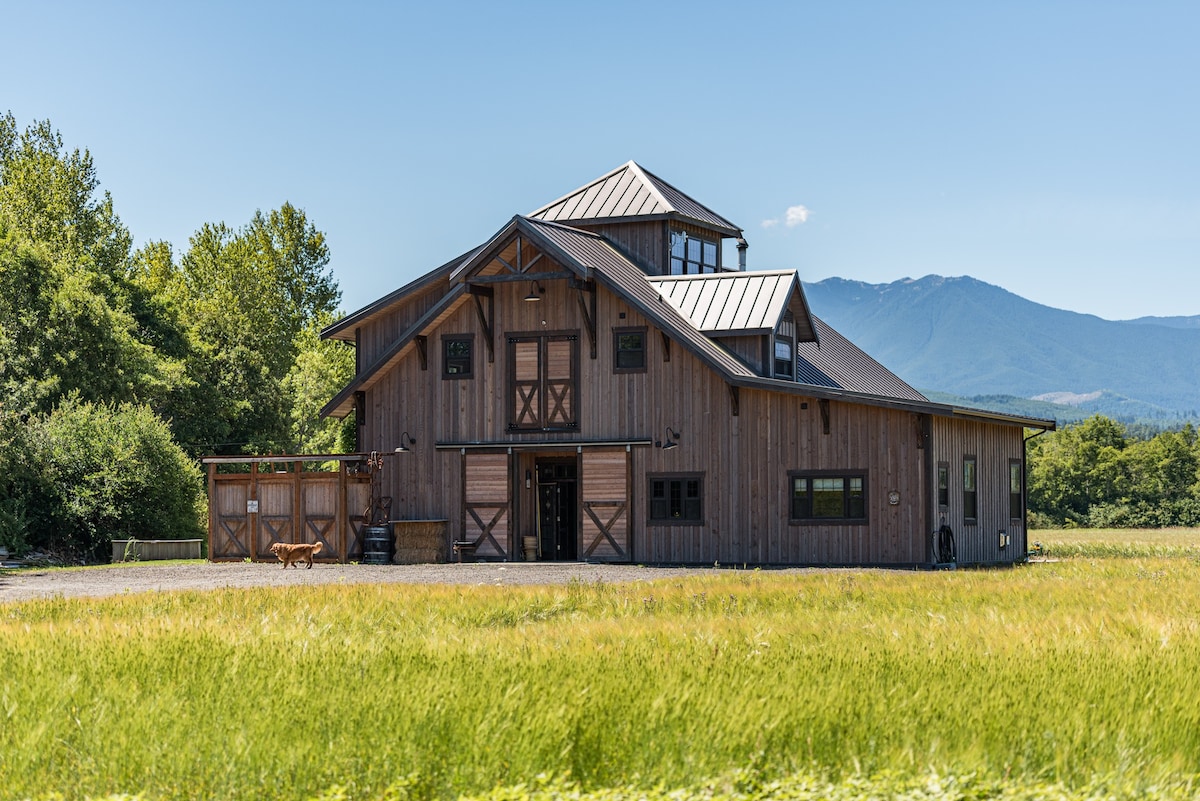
x,y
25,584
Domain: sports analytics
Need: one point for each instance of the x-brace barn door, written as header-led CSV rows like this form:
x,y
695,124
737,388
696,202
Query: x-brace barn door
x,y
604,529
487,507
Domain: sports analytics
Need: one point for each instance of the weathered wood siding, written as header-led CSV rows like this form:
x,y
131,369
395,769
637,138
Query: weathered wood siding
x,y
645,242
744,459
993,446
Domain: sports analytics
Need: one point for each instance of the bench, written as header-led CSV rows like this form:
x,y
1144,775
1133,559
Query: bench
x,y
464,551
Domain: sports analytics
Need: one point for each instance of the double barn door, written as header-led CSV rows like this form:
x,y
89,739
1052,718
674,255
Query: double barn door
x,y
590,503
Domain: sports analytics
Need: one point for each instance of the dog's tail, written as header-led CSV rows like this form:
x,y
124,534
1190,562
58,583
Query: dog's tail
x,y
317,548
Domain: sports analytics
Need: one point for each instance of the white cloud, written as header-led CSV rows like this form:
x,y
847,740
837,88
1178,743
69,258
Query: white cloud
x,y
796,215
770,223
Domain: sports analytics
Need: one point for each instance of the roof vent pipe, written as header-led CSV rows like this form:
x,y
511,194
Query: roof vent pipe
x,y
742,246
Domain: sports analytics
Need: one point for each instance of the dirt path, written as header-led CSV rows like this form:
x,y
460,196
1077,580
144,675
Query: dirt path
x,y
26,584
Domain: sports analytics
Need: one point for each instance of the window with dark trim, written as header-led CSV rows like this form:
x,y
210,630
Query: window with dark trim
x,y
943,485
457,353
629,350
1014,489
691,255
828,497
676,498
970,494
785,347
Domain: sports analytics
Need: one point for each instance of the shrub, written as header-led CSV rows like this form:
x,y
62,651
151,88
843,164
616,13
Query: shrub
x,y
109,472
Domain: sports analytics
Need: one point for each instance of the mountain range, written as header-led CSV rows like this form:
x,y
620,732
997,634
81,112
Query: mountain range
x,y
961,340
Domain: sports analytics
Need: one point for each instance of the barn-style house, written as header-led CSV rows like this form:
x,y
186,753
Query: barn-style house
x,y
592,383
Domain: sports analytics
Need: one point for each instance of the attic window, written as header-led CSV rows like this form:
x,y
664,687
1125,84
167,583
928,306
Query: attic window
x,y
691,255
785,348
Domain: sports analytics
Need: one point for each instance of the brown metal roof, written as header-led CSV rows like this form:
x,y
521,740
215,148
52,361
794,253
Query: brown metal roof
x,y
735,303
838,363
627,192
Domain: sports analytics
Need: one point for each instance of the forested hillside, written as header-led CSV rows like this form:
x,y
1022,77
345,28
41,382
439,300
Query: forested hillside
x,y
119,366
972,339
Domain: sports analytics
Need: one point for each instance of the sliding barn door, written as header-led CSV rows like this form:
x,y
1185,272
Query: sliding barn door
x,y
604,524
487,509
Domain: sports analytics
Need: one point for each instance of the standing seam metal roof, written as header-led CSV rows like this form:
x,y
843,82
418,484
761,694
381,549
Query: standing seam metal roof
x,y
725,302
631,191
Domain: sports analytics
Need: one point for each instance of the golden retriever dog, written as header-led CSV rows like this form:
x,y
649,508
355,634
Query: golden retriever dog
x,y
291,554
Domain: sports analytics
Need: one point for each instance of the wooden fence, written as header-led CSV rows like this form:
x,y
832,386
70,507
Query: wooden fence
x,y
250,511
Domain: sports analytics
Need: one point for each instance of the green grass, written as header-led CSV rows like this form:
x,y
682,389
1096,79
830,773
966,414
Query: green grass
x,y
1124,543
1066,679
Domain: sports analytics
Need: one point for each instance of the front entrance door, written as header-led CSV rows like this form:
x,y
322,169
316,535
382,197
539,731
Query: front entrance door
x,y
558,509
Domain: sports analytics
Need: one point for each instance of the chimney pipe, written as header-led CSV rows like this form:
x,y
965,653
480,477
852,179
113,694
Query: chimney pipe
x,y
742,246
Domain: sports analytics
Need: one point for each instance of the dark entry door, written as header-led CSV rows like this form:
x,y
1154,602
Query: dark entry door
x,y
558,509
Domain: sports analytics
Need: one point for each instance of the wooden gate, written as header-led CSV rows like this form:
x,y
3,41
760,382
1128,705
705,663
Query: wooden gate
x,y
251,511
487,508
604,524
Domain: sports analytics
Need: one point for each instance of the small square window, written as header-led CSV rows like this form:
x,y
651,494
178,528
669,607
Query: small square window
x,y
629,350
677,499
457,354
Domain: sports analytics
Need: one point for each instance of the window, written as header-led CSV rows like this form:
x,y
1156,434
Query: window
x,y
691,255
827,497
543,374
969,493
943,485
677,498
785,354
1014,489
456,356
629,350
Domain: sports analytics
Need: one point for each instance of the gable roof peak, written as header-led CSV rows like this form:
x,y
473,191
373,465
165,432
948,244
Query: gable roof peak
x,y
631,191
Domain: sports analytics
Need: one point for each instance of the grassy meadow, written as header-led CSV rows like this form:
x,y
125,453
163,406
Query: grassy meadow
x,y
1076,678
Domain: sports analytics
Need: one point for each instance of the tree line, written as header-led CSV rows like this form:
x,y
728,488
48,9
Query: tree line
x,y
1096,474
119,367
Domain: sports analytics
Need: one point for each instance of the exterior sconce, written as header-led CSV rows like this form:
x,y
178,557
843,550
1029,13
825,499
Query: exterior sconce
x,y
405,441
669,443
535,293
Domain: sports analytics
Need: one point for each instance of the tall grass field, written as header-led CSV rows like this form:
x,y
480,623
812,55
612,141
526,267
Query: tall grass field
x,y
1077,678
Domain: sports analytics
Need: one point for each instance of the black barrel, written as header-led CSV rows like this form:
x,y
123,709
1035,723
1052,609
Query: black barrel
x,y
377,545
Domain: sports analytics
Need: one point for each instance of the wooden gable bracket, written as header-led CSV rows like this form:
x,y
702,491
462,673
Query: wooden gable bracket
x,y
824,404
486,318
422,343
587,308
520,267
735,400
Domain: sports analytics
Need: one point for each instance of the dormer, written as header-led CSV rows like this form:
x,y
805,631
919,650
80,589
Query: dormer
x,y
659,227
760,317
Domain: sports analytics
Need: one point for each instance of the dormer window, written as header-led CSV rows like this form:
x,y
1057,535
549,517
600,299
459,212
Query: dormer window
x,y
785,348
691,255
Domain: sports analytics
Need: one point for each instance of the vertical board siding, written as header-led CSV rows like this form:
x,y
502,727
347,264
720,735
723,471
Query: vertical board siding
x,y
992,445
744,459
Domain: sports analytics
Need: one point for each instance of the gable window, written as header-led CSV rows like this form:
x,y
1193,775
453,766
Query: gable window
x,y
691,255
825,497
1014,489
629,350
970,495
457,354
785,353
943,485
543,375
677,498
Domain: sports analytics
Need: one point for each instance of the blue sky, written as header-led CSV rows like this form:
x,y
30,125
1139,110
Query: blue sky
x,y
1050,148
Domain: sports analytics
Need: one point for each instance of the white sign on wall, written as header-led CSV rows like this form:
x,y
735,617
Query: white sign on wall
x,y
251,507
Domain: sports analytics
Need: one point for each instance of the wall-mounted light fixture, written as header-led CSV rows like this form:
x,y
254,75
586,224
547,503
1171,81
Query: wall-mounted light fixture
x,y
669,442
535,293
405,441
